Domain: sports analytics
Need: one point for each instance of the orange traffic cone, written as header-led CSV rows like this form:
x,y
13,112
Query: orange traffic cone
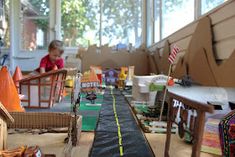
x,y
9,98
17,76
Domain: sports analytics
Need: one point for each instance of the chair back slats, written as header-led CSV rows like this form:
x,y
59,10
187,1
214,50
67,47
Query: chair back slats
x,y
43,90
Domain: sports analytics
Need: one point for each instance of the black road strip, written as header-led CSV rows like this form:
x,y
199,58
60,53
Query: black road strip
x,y
117,133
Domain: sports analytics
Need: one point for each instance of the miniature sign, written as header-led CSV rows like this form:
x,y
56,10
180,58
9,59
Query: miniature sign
x,y
89,81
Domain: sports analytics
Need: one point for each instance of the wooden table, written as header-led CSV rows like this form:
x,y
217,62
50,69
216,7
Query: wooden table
x,y
193,98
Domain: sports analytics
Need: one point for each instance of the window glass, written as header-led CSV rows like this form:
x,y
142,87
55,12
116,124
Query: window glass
x,y
4,24
175,15
149,22
207,5
80,22
156,20
34,24
121,22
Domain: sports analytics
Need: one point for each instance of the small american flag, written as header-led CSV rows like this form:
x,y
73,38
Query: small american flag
x,y
173,54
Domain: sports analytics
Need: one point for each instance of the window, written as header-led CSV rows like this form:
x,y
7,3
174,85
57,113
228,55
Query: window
x,y
175,15
4,24
157,7
34,24
80,22
121,22
101,22
207,5
149,19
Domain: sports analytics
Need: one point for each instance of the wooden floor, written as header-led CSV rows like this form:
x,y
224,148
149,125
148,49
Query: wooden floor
x,y
49,143
53,143
84,146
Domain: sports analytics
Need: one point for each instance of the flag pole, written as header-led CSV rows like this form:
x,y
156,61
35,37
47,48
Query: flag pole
x,y
164,96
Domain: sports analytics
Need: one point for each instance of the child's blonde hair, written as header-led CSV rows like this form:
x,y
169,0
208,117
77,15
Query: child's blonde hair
x,y
56,44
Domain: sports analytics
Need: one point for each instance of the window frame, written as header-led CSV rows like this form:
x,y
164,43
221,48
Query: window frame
x,y
55,21
197,15
58,4
52,26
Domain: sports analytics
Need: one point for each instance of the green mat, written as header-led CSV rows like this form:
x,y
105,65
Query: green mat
x,y
87,101
99,96
98,100
83,107
89,123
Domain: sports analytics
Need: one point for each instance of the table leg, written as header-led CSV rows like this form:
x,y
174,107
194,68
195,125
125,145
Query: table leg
x,y
198,133
169,127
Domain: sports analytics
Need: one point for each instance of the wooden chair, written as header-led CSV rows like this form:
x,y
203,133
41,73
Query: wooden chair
x,y
43,90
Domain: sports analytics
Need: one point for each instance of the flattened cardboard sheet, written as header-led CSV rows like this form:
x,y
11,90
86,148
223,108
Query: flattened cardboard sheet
x,y
105,57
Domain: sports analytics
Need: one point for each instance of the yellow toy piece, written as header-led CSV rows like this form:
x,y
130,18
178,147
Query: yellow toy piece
x,y
122,75
69,81
121,78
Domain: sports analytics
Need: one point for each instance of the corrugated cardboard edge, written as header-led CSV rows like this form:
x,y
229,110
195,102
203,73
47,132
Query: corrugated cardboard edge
x,y
199,68
200,71
225,73
164,59
40,120
5,113
180,68
216,75
152,64
200,60
162,62
157,59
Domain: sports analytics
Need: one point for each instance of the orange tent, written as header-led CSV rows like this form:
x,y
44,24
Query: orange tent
x,y
9,98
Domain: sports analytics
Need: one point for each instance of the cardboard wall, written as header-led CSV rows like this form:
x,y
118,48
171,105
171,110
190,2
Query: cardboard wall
x,y
107,58
207,51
